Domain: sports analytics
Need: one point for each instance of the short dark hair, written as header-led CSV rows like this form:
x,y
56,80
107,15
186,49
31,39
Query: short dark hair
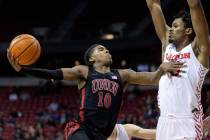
x,y
88,53
186,18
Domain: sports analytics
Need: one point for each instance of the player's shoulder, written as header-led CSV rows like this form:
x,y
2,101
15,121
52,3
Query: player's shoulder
x,y
81,67
125,74
125,71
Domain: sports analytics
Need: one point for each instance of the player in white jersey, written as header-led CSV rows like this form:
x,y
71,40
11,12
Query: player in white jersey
x,y
179,95
127,131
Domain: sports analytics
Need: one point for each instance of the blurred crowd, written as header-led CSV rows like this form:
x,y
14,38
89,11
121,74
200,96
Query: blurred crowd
x,y
31,113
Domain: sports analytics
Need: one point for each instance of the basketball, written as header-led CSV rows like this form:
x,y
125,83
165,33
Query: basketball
x,y
25,48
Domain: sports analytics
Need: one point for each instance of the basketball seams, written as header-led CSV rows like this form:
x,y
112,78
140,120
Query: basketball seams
x,y
25,49
12,45
35,54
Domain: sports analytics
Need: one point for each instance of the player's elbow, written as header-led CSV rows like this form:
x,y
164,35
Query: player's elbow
x,y
152,81
155,82
155,79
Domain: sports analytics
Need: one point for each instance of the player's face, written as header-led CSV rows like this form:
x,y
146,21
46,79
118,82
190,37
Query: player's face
x,y
177,31
101,55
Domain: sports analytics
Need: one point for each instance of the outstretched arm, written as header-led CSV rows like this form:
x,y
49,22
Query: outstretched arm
x,y
74,73
159,21
200,27
149,78
138,132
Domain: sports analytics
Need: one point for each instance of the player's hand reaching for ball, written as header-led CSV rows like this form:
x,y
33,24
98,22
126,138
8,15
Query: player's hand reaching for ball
x,y
13,61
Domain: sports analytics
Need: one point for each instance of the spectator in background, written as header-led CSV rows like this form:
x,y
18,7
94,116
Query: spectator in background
x,y
53,106
13,97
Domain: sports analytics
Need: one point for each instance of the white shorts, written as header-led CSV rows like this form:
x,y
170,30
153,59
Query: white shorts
x,y
176,128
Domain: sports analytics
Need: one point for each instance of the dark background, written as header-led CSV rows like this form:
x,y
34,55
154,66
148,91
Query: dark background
x,y
67,28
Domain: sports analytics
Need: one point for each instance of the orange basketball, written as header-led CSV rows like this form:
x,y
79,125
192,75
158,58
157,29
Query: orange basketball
x,y
25,48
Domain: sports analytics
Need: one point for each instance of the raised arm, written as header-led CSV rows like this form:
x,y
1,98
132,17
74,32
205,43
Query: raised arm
x,y
200,27
138,132
159,21
149,78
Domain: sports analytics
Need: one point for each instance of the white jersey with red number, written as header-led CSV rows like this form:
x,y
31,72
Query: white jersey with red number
x,y
179,96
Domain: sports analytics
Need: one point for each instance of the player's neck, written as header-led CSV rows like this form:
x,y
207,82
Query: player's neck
x,y
181,45
101,69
